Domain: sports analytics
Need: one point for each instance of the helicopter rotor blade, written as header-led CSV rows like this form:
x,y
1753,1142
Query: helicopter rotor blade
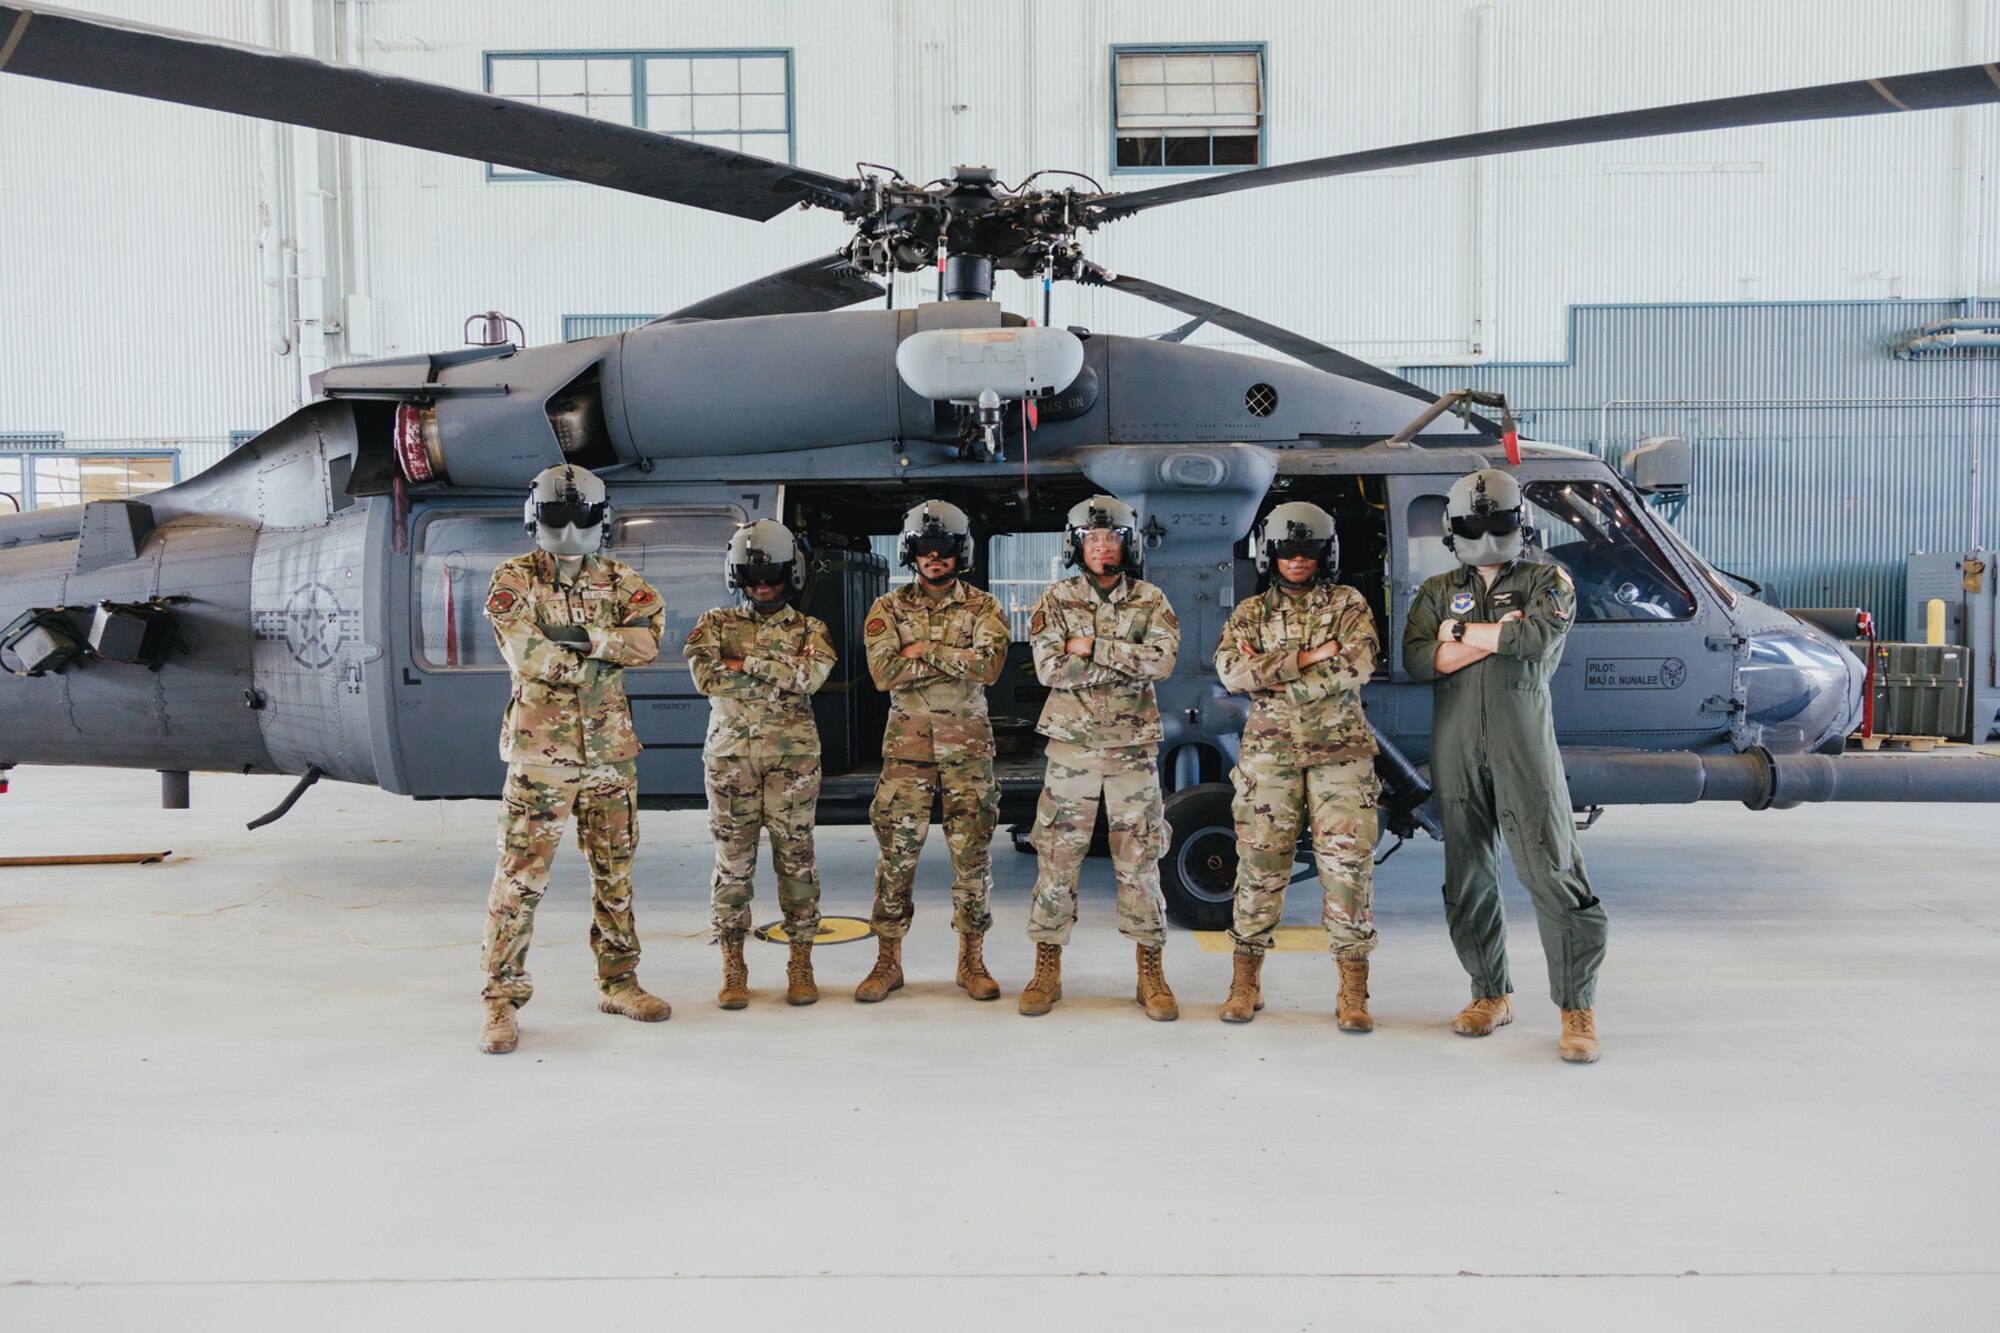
x,y
1296,345
96,52
818,284
1968,85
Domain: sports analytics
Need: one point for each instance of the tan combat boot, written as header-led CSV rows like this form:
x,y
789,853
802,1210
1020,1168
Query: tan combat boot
x,y
799,987
1579,1037
1045,987
634,1002
973,978
502,1031
887,974
1153,991
1246,988
1479,1018
1350,1007
735,992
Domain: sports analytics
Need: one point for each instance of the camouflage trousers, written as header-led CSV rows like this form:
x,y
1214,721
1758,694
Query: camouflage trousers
x,y
535,805
1127,780
901,816
1274,799
748,793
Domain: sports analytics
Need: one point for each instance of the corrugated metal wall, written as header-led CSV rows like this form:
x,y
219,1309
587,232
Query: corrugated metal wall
x,y
130,293
1821,460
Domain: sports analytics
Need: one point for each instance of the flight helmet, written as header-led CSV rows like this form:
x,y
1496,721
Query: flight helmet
x,y
1294,529
567,511
1484,512
1104,511
763,552
936,527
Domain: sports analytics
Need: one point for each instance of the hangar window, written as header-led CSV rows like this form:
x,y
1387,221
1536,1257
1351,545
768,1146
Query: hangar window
x,y
45,476
733,99
458,549
1187,108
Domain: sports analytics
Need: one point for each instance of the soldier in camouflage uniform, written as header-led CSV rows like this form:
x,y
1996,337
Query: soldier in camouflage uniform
x,y
759,663
1489,635
935,645
1100,641
568,620
1302,649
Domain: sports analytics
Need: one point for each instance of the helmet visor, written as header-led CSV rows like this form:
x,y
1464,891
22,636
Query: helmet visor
x,y
751,576
1493,523
940,545
1299,548
569,514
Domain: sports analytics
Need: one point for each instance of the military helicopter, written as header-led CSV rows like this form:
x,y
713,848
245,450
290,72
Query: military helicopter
x,y
311,604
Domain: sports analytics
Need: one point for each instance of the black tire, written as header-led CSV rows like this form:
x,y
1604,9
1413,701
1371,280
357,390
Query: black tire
x,y
1198,873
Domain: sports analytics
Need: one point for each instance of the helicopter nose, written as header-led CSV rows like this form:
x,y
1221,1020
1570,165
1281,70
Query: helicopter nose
x,y
1802,690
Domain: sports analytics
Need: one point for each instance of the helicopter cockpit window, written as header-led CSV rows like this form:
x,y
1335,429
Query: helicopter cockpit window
x,y
1620,571
678,551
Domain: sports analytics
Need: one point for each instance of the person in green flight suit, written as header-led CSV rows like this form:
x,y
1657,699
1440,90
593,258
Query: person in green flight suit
x,y
1489,636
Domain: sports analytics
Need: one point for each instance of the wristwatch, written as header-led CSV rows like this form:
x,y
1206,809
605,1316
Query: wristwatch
x,y
1458,631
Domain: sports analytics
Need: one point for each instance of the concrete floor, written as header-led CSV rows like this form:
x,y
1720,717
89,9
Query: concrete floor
x,y
239,1089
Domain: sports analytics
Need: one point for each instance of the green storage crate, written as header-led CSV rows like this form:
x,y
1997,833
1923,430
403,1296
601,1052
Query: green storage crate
x,y
1919,688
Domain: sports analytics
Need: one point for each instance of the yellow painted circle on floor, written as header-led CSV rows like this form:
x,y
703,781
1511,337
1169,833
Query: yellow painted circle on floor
x,y
832,930
1285,939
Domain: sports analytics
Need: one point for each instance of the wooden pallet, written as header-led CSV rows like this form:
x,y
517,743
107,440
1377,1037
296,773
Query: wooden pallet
x,y
1918,744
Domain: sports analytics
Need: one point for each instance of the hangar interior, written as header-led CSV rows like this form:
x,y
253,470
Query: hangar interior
x,y
242,1088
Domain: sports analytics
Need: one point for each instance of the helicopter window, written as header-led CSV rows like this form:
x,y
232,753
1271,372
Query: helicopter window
x,y
738,100
1620,571
10,482
1186,108
457,551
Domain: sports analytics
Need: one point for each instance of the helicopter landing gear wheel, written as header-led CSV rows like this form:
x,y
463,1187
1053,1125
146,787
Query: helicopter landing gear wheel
x,y
1198,873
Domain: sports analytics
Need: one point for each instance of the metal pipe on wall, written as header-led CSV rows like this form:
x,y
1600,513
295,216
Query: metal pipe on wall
x,y
270,192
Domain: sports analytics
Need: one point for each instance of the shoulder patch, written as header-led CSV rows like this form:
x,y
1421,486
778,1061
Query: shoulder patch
x,y
1167,614
643,597
501,601
696,634
1036,621
876,626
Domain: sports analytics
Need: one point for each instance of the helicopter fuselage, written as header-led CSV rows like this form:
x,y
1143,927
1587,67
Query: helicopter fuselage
x,y
325,581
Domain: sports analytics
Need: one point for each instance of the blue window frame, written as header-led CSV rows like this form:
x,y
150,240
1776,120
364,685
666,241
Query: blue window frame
x,y
1186,108
740,99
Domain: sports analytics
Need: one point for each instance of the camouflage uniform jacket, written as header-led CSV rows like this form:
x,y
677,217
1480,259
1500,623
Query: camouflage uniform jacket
x,y
1106,700
766,708
568,708
937,702
1311,716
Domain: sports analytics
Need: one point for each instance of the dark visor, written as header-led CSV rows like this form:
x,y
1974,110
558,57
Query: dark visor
x,y
1497,523
1300,548
563,514
751,575
934,545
